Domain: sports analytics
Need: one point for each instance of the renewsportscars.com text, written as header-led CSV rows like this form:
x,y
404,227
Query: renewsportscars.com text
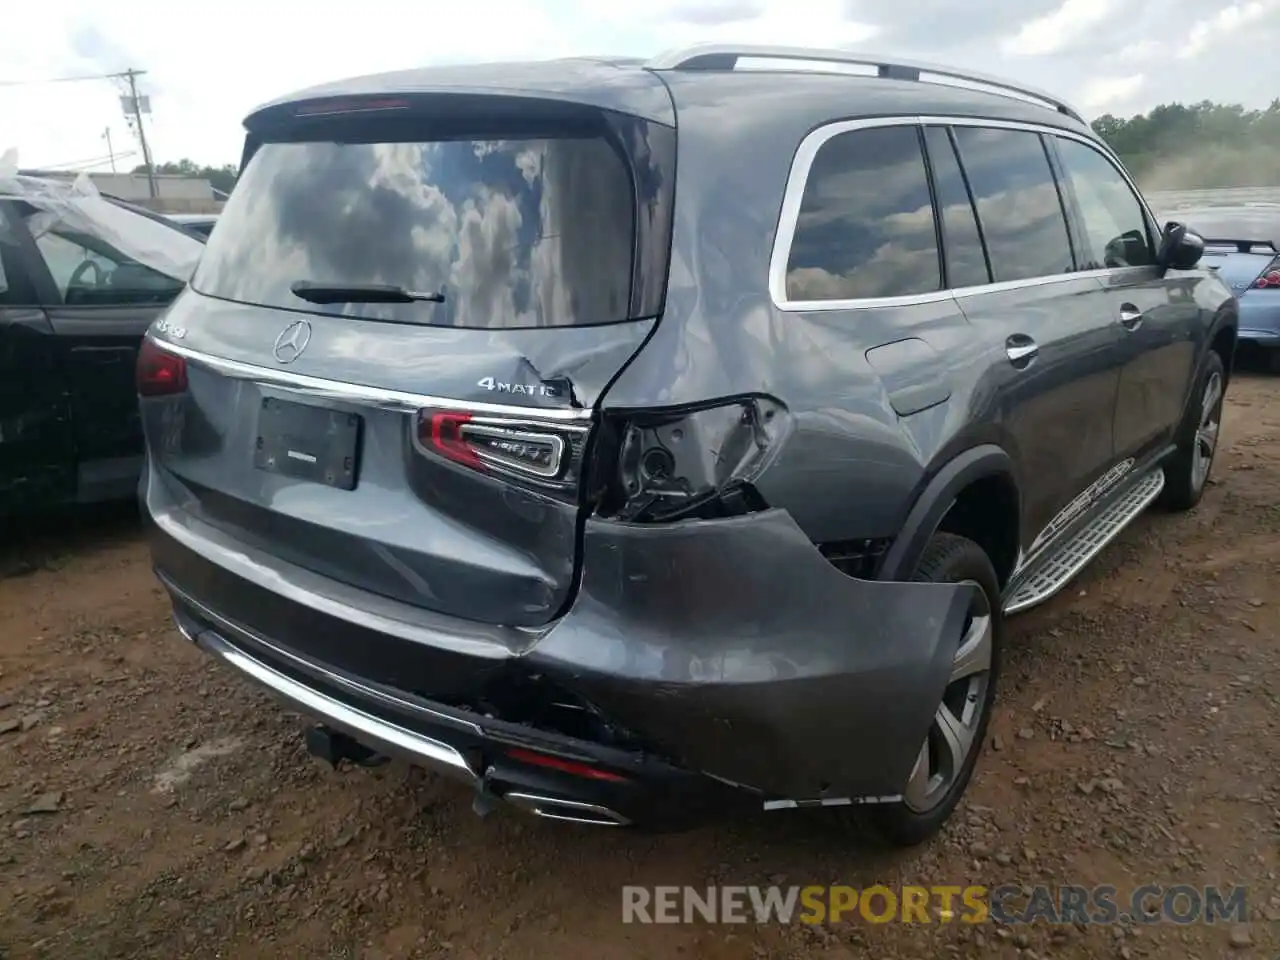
x,y
1008,904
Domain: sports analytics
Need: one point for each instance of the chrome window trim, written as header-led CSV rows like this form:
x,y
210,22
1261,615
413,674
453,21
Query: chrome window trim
x,y
798,178
396,400
1153,223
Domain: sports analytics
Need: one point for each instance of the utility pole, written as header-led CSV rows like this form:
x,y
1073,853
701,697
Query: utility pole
x,y
134,106
111,154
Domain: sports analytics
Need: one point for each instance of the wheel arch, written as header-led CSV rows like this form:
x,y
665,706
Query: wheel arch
x,y
1221,338
975,495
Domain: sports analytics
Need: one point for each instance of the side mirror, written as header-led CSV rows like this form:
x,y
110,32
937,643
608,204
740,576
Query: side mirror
x,y
1180,248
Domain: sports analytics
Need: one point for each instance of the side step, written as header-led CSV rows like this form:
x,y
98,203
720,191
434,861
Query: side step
x,y
1050,573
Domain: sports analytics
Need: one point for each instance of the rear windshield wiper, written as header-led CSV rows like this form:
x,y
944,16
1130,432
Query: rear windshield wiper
x,y
360,293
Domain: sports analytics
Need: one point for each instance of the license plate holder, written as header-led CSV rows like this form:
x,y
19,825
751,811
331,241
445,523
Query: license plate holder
x,y
308,443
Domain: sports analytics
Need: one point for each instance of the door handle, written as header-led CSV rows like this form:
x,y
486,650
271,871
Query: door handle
x,y
1020,349
1130,316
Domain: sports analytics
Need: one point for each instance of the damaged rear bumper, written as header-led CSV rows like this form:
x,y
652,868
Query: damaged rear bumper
x,y
743,652
730,651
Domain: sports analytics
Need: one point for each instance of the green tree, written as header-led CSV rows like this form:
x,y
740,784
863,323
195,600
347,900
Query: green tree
x,y
1201,145
222,178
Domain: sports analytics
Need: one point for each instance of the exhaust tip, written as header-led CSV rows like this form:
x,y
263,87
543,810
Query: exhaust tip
x,y
569,811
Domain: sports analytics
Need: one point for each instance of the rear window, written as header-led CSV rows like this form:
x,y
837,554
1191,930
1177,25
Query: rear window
x,y
513,233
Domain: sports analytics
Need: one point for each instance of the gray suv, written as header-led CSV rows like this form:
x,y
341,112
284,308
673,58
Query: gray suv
x,y
641,440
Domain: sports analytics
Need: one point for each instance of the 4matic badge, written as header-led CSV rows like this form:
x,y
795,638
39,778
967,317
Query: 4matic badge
x,y
526,389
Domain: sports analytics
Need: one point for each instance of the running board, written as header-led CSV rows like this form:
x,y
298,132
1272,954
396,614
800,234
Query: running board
x,y
1050,573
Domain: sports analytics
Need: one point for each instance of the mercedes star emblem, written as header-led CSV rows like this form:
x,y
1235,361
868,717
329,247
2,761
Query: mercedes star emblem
x,y
292,341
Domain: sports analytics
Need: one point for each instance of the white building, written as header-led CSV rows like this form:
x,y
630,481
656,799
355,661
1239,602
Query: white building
x,y
174,193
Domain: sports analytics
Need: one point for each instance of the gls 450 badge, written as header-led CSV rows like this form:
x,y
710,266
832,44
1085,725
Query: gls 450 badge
x,y
526,389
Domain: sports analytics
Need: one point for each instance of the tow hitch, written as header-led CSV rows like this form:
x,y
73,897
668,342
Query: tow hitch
x,y
334,746
484,801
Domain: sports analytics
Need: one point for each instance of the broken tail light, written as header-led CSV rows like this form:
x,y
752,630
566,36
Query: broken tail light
x,y
662,467
572,767
542,453
1269,279
159,373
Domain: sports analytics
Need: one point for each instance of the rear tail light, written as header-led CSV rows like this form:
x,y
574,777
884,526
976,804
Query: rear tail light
x,y
572,767
159,372
645,468
656,468
1269,279
543,453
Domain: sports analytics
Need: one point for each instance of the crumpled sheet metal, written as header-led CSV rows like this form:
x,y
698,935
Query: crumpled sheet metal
x,y
77,206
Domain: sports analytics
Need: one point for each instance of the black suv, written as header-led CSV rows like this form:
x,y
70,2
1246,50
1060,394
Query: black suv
x,y
82,277
635,440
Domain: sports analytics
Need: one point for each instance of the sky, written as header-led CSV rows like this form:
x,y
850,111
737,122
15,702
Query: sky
x,y
207,67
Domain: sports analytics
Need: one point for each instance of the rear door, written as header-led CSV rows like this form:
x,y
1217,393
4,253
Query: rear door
x,y
429,450
1157,315
99,302
1053,326
37,451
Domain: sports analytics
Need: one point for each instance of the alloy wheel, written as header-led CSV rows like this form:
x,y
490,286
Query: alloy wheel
x,y
954,733
1206,439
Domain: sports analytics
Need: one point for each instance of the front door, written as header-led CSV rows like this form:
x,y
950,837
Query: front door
x,y
1156,318
1049,327
100,303
37,452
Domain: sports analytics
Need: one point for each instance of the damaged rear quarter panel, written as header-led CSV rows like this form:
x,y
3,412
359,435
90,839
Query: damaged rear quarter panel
x,y
734,647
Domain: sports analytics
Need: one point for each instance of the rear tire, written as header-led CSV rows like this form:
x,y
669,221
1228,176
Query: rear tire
x,y
1186,473
940,778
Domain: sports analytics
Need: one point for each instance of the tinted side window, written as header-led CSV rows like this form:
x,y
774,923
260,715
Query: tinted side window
x,y
8,293
1018,202
866,226
88,271
15,284
1114,223
961,242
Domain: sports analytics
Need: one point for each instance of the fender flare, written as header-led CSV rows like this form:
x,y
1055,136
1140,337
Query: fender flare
x,y
1224,319
935,500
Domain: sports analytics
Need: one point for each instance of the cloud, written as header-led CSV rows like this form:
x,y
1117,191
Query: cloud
x,y
711,13
1078,48
203,79
1225,22
1056,30
1105,92
937,24
97,49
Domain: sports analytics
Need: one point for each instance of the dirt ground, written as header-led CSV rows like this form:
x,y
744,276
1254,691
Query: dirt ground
x,y
154,805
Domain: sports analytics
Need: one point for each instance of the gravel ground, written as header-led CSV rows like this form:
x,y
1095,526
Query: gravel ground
x,y
154,805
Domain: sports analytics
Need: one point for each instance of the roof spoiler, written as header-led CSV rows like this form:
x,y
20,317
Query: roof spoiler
x,y
1242,246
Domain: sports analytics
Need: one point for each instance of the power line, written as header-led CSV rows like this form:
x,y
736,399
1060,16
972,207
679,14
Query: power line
x,y
133,107
76,168
104,158
76,79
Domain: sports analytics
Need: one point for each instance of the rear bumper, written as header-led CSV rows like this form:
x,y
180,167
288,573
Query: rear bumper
x,y
484,753
1260,318
731,652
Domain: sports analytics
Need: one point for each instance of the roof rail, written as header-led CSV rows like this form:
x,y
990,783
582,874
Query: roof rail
x,y
725,56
